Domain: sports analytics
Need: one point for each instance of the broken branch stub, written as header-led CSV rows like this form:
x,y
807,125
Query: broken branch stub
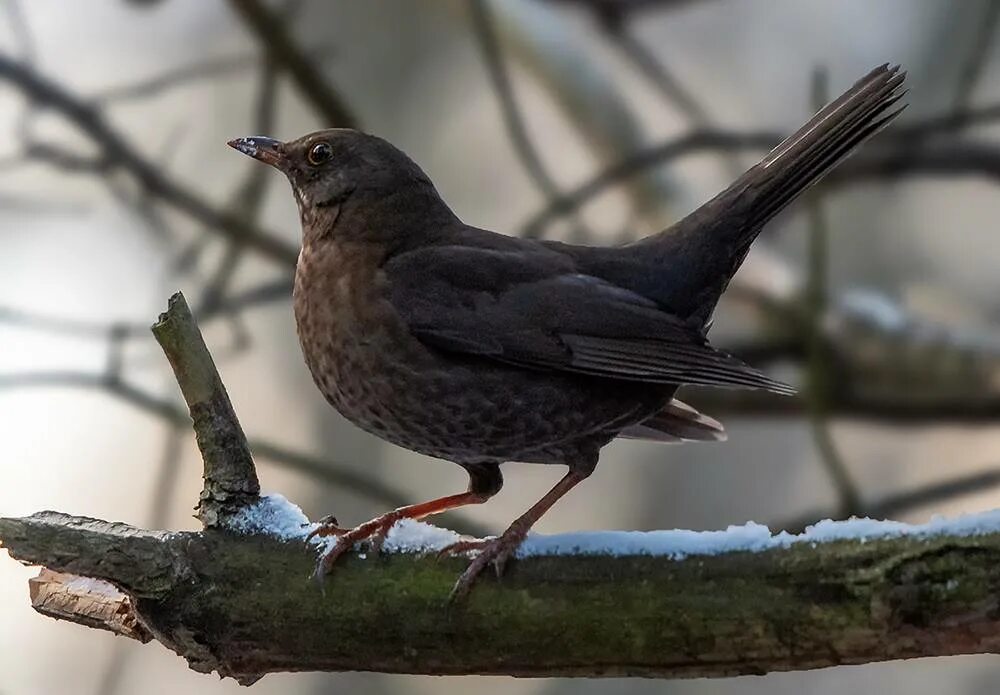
x,y
230,477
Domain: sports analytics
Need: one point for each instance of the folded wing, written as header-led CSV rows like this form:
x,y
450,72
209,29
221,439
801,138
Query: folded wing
x,y
529,307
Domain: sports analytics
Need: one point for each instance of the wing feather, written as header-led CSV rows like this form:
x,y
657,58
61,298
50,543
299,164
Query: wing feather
x,y
534,310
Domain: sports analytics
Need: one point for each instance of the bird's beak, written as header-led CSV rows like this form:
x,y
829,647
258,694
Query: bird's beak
x,y
267,150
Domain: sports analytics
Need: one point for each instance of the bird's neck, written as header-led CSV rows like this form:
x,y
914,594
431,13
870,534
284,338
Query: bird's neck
x,y
395,220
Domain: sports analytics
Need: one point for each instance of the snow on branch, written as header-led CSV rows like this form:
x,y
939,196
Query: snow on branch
x,y
236,598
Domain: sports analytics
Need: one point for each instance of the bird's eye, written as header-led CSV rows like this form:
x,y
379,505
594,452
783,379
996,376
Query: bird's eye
x,y
320,153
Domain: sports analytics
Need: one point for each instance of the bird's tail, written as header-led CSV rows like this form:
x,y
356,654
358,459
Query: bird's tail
x,y
837,130
714,239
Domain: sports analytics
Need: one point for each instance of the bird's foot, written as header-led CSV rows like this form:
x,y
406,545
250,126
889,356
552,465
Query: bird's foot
x,y
327,526
492,551
463,546
373,531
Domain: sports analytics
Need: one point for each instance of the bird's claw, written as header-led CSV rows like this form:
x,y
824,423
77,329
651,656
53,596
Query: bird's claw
x,y
327,526
463,546
373,531
492,551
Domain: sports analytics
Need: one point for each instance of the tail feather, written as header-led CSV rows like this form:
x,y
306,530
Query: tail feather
x,y
833,133
709,244
677,422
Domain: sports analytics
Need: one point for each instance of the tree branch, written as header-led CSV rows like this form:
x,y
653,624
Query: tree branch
x,y
241,605
517,131
117,151
230,477
270,28
234,598
891,156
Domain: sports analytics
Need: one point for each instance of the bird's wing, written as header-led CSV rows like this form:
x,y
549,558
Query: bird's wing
x,y
529,307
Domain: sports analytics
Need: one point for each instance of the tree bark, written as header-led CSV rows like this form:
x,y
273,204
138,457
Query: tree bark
x,y
242,605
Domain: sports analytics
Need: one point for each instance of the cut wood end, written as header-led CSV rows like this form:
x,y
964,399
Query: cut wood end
x,y
87,601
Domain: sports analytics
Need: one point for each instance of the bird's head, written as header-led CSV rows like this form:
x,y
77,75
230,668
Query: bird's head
x,y
348,183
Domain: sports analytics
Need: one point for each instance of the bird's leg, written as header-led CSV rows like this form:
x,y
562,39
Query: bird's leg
x,y
497,551
484,482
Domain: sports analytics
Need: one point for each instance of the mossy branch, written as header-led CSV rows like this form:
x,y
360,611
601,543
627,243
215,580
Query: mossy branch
x,y
242,604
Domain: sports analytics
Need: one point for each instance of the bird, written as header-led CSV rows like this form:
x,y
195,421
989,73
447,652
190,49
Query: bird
x,y
482,349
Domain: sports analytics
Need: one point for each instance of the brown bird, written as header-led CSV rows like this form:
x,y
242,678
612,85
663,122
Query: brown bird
x,y
479,348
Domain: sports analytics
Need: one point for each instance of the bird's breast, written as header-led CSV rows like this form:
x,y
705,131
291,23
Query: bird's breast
x,y
370,367
361,355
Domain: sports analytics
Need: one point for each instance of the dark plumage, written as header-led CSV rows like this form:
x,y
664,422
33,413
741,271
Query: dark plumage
x,y
480,348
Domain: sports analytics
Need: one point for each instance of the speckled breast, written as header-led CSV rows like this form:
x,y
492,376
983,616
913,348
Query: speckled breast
x,y
377,375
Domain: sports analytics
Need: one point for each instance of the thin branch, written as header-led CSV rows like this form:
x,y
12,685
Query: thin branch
x,y
664,81
979,50
22,32
675,94
181,76
891,156
186,75
819,372
905,502
279,290
484,26
635,164
948,124
819,386
272,31
230,477
619,11
932,494
118,151
248,198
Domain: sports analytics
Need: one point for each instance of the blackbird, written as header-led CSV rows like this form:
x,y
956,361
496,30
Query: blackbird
x,y
480,348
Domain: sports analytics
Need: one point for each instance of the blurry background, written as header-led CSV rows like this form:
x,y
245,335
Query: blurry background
x,y
584,120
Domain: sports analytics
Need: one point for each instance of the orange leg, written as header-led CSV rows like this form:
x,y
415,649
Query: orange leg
x,y
484,482
497,551
376,529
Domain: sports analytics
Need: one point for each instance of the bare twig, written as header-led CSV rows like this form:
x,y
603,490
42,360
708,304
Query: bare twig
x,y
664,81
176,77
266,293
115,149
907,501
22,33
639,162
819,363
667,84
230,477
979,49
248,199
617,11
483,24
186,75
274,35
891,156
